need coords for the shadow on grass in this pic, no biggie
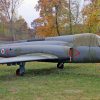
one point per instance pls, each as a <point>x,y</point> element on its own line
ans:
<point>72,71</point>
<point>49,71</point>
<point>68,70</point>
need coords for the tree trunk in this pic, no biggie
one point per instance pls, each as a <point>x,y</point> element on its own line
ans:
<point>57,25</point>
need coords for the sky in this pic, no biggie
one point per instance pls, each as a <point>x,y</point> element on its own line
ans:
<point>27,11</point>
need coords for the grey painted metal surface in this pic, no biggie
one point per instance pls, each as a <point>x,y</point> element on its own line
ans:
<point>83,48</point>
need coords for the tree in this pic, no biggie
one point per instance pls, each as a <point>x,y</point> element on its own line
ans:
<point>92,16</point>
<point>53,17</point>
<point>70,17</point>
<point>76,16</point>
<point>8,11</point>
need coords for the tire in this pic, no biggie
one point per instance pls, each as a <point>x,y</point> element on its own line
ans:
<point>60,65</point>
<point>18,73</point>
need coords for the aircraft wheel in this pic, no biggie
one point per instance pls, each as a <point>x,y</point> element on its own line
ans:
<point>18,72</point>
<point>60,65</point>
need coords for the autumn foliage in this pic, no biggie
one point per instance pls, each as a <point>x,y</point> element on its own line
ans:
<point>59,17</point>
<point>92,14</point>
<point>52,19</point>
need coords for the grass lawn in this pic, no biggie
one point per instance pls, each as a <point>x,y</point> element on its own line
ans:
<point>43,81</point>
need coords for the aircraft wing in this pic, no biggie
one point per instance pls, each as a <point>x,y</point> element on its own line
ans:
<point>26,58</point>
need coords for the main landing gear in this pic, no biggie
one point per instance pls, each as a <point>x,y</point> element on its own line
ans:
<point>21,70</point>
<point>60,65</point>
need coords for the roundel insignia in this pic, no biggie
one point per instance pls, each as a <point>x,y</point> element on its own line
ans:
<point>2,51</point>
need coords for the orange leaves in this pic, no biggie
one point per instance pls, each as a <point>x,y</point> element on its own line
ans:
<point>45,27</point>
<point>53,16</point>
<point>92,12</point>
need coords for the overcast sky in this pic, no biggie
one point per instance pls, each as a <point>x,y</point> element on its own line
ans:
<point>27,11</point>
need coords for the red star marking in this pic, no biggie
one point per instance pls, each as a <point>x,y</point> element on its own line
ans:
<point>76,52</point>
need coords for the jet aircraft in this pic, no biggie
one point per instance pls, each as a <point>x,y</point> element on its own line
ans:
<point>79,48</point>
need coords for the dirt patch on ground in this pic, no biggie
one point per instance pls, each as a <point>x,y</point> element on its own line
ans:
<point>73,91</point>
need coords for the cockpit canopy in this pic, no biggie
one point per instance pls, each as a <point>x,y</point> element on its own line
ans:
<point>88,39</point>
